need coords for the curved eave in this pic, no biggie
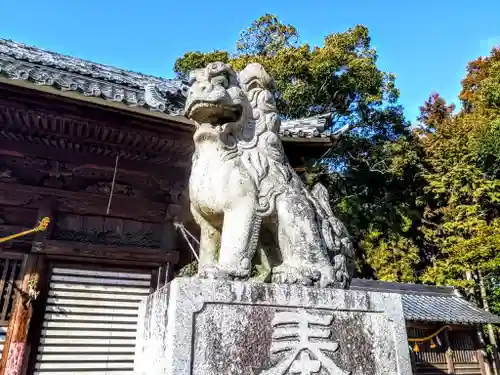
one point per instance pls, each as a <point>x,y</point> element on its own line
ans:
<point>453,321</point>
<point>95,100</point>
<point>431,304</point>
<point>444,309</point>
<point>312,141</point>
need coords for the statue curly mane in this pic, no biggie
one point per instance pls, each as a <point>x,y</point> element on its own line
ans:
<point>265,159</point>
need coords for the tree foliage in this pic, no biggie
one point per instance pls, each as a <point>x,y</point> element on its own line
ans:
<point>462,212</point>
<point>372,172</point>
<point>422,204</point>
<point>266,37</point>
<point>479,80</point>
<point>341,76</point>
<point>435,111</point>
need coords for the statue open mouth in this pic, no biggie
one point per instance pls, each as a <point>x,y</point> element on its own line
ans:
<point>214,114</point>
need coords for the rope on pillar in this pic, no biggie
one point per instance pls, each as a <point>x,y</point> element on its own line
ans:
<point>113,184</point>
<point>185,233</point>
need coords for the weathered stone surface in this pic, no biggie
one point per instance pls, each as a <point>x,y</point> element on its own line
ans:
<point>251,206</point>
<point>216,327</point>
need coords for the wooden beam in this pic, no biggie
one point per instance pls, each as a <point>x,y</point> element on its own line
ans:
<point>124,254</point>
<point>449,353</point>
<point>309,142</point>
<point>435,326</point>
<point>29,95</point>
<point>481,361</point>
<point>17,243</point>
<point>479,344</point>
<point>16,347</point>
<point>89,132</point>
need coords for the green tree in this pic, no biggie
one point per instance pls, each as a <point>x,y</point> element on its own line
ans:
<point>372,172</point>
<point>197,60</point>
<point>435,111</point>
<point>266,37</point>
<point>480,74</point>
<point>341,76</point>
<point>462,215</point>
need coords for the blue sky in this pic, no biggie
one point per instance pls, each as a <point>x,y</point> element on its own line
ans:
<point>427,44</point>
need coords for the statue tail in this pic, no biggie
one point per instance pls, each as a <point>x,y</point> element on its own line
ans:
<point>335,235</point>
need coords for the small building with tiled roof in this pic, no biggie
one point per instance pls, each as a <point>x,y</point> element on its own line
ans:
<point>443,327</point>
<point>427,303</point>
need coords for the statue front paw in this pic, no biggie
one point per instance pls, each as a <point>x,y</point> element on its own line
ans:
<point>223,272</point>
<point>239,271</point>
<point>327,277</point>
<point>235,273</point>
<point>209,271</point>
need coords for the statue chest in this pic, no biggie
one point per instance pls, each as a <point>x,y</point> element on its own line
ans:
<point>207,183</point>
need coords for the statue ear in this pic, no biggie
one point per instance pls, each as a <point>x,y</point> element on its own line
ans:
<point>194,75</point>
<point>255,72</point>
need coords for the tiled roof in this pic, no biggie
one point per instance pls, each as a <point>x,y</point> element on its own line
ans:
<point>315,126</point>
<point>19,61</point>
<point>431,303</point>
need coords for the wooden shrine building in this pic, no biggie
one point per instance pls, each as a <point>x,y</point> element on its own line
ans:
<point>105,154</point>
<point>68,129</point>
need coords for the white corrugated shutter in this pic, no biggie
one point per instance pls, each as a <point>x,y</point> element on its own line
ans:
<point>90,322</point>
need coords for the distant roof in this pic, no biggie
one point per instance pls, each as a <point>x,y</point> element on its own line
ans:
<point>19,61</point>
<point>431,303</point>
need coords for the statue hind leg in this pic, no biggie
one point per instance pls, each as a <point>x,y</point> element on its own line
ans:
<point>303,258</point>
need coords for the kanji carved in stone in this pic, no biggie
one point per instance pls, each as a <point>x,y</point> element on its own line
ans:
<point>301,335</point>
<point>252,208</point>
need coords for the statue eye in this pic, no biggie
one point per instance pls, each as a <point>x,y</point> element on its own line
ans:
<point>254,85</point>
<point>221,81</point>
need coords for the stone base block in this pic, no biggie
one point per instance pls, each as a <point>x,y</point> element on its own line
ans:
<point>215,327</point>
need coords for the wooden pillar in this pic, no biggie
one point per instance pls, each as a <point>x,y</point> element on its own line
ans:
<point>479,342</point>
<point>449,353</point>
<point>481,361</point>
<point>491,331</point>
<point>17,349</point>
<point>169,267</point>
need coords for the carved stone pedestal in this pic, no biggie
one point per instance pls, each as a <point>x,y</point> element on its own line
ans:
<point>207,327</point>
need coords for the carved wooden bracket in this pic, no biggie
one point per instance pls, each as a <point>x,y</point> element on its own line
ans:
<point>82,202</point>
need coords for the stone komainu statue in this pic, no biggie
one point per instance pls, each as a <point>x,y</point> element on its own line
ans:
<point>251,206</point>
